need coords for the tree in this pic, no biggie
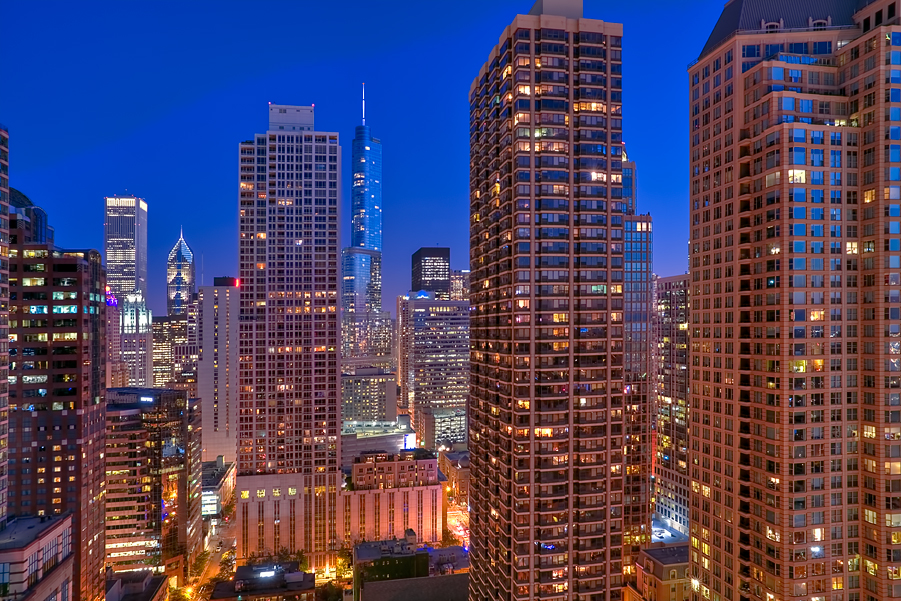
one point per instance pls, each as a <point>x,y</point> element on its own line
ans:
<point>344,564</point>
<point>177,594</point>
<point>329,592</point>
<point>228,510</point>
<point>449,539</point>
<point>200,563</point>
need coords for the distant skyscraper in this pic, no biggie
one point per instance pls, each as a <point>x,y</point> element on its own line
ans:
<point>125,234</point>
<point>433,356</point>
<point>366,193</point>
<point>289,428</point>
<point>673,481</point>
<point>561,390</point>
<point>431,272</point>
<point>136,326</point>
<point>154,474</point>
<point>168,332</point>
<point>366,340</point>
<point>116,367</point>
<point>459,285</point>
<point>180,277</point>
<point>217,378</point>
<point>57,383</point>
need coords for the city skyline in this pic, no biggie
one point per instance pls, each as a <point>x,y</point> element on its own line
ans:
<point>130,153</point>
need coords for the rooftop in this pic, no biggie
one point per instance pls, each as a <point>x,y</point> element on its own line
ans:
<point>373,550</point>
<point>668,555</point>
<point>453,587</point>
<point>753,15</point>
<point>265,580</point>
<point>214,473</point>
<point>21,532</point>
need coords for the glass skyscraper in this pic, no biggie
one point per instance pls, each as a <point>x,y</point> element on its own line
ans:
<point>180,280</point>
<point>366,329</point>
<point>366,193</point>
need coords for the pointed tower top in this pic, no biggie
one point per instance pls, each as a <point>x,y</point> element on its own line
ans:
<point>364,103</point>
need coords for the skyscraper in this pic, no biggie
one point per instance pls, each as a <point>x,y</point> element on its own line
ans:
<point>431,272</point>
<point>136,327</point>
<point>795,221</point>
<point>289,394</point>
<point>154,473</point>
<point>366,330</point>
<point>217,372</point>
<point>560,393</point>
<point>459,285</point>
<point>57,376</point>
<point>168,332</point>
<point>125,236</point>
<point>180,277</point>
<point>433,357</point>
<point>672,482</point>
<point>4,322</point>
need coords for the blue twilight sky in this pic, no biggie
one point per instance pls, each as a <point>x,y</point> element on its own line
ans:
<point>152,98</point>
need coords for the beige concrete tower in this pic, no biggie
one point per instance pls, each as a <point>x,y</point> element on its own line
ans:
<point>289,404</point>
<point>561,337</point>
<point>795,140</point>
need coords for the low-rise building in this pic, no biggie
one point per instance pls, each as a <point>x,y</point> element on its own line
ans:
<point>269,582</point>
<point>218,486</point>
<point>141,585</point>
<point>36,559</point>
<point>375,563</point>
<point>387,494</point>
<point>358,437</point>
<point>455,466</point>
<point>662,575</point>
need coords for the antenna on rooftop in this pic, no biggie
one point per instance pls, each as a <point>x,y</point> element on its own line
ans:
<point>364,103</point>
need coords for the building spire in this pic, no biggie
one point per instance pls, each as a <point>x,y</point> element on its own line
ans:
<point>181,232</point>
<point>364,103</point>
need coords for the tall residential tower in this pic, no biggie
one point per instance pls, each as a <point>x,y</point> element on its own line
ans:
<point>560,393</point>
<point>795,221</point>
<point>289,392</point>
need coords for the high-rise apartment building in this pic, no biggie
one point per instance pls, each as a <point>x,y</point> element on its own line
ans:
<point>136,336</point>
<point>672,479</point>
<point>289,391</point>
<point>217,372</point>
<point>560,394</point>
<point>180,280</point>
<point>431,272</point>
<point>459,285</point>
<point>4,321</point>
<point>57,376</point>
<point>154,481</point>
<point>795,217</point>
<point>125,236</point>
<point>433,356</point>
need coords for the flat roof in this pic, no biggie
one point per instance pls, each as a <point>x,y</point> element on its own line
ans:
<point>23,531</point>
<point>668,555</point>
